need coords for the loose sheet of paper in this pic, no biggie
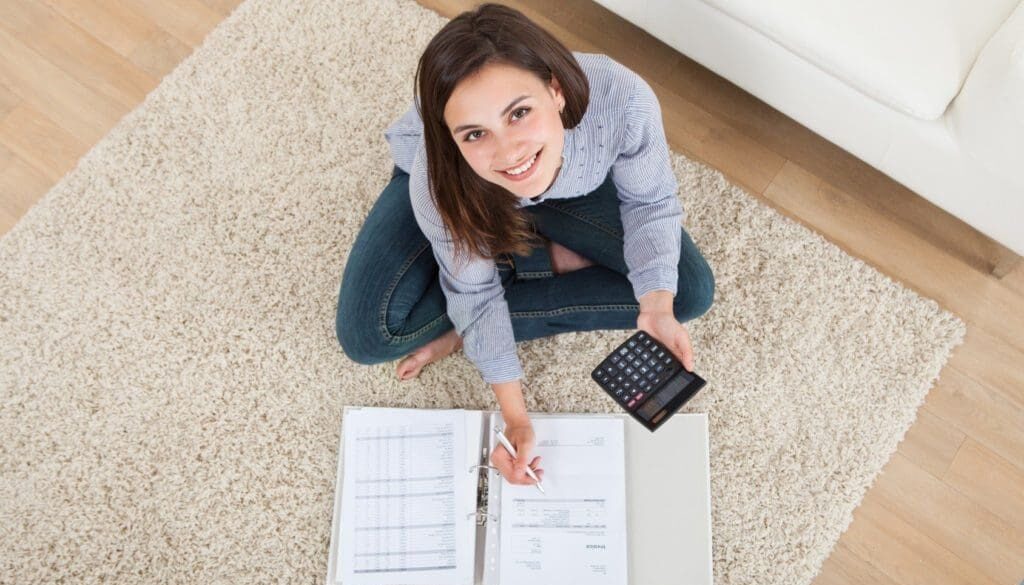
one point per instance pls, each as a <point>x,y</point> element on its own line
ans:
<point>576,531</point>
<point>404,499</point>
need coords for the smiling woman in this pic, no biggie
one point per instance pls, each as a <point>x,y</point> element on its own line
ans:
<point>513,139</point>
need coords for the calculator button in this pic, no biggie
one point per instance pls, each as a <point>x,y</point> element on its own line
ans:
<point>637,363</point>
<point>660,354</point>
<point>645,356</point>
<point>644,369</point>
<point>635,377</point>
<point>640,396</point>
<point>632,343</point>
<point>659,368</point>
<point>629,370</point>
<point>620,378</point>
<point>616,359</point>
<point>623,351</point>
<point>631,403</point>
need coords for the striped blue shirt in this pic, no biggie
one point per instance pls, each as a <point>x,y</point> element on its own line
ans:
<point>622,133</point>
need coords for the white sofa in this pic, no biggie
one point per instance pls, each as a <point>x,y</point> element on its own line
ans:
<point>930,92</point>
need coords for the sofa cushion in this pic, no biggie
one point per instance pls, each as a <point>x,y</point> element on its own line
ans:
<point>988,114</point>
<point>912,55</point>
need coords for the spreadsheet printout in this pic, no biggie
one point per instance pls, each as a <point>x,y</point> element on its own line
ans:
<point>576,531</point>
<point>404,499</point>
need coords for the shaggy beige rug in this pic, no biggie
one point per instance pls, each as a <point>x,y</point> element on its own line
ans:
<point>170,382</point>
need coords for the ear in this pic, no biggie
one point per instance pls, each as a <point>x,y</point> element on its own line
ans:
<point>556,89</point>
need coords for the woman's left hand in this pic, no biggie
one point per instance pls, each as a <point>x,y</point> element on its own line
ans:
<point>660,324</point>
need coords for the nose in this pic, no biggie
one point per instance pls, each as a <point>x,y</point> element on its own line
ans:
<point>515,156</point>
<point>512,162</point>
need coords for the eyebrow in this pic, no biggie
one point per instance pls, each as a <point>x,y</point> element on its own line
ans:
<point>503,112</point>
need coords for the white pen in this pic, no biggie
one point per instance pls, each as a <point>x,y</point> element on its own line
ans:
<point>512,451</point>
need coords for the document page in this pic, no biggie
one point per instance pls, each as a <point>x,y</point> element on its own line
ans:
<point>576,531</point>
<point>405,499</point>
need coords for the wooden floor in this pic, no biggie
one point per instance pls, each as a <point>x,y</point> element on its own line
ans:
<point>949,506</point>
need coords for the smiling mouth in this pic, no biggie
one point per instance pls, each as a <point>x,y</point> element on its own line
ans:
<point>534,157</point>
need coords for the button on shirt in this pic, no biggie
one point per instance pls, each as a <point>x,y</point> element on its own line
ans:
<point>621,133</point>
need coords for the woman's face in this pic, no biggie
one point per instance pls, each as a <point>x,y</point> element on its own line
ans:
<point>500,119</point>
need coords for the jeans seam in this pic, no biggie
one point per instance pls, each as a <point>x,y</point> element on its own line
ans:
<point>382,313</point>
<point>574,309</point>
<point>536,274</point>
<point>585,219</point>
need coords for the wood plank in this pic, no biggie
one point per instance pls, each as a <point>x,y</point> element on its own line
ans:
<point>21,185</point>
<point>1015,279</point>
<point>931,442</point>
<point>222,7</point>
<point>187,20</point>
<point>988,360</point>
<point>113,24</point>
<point>981,412</point>
<point>44,87</point>
<point>159,54</point>
<point>989,480</point>
<point>902,551</point>
<point>873,237</point>
<point>8,100</point>
<point>40,142</point>
<point>965,528</point>
<point>92,63</point>
<point>844,567</point>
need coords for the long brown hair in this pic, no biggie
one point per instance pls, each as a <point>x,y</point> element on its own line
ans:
<point>484,218</point>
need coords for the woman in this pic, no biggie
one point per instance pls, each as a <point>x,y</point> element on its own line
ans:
<point>532,194</point>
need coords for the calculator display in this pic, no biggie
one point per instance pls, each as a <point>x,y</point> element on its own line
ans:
<point>665,395</point>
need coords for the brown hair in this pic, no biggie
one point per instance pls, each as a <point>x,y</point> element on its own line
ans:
<point>484,218</point>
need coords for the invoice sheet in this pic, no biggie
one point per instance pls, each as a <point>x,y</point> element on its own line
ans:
<point>405,499</point>
<point>576,531</point>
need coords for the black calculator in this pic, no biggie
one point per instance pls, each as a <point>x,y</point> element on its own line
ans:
<point>645,378</point>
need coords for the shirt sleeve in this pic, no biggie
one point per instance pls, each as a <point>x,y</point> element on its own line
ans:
<point>473,290</point>
<point>651,212</point>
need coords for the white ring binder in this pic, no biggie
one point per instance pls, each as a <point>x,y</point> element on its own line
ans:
<point>482,517</point>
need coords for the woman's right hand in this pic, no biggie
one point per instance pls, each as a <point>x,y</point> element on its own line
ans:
<point>520,434</point>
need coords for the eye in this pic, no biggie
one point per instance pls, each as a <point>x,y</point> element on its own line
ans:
<point>514,112</point>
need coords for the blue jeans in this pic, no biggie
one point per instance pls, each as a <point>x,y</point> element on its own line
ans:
<point>391,302</point>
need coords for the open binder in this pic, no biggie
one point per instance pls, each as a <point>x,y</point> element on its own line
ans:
<point>663,502</point>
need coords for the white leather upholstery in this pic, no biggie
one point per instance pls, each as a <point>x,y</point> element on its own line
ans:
<point>988,115</point>
<point>967,161</point>
<point>911,55</point>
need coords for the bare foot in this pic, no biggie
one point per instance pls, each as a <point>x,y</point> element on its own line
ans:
<point>443,346</point>
<point>565,260</point>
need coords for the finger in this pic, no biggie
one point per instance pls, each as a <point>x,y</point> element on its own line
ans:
<point>501,459</point>
<point>686,351</point>
<point>535,462</point>
<point>523,458</point>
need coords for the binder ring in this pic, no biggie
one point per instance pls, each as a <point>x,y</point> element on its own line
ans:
<point>475,467</point>
<point>482,517</point>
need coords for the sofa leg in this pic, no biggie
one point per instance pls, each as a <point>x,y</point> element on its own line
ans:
<point>1005,264</point>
